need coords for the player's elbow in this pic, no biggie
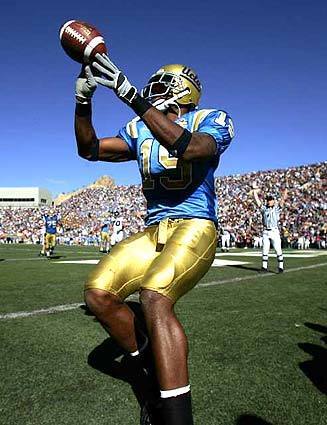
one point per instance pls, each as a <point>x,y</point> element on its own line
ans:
<point>86,155</point>
<point>201,146</point>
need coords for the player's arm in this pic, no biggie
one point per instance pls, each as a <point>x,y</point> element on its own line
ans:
<point>283,198</point>
<point>89,146</point>
<point>180,142</point>
<point>174,138</point>
<point>256,197</point>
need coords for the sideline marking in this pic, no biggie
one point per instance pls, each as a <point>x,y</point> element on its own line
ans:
<point>296,254</point>
<point>258,276</point>
<point>216,262</point>
<point>67,307</point>
<point>222,263</point>
<point>50,310</point>
<point>45,259</point>
<point>77,262</point>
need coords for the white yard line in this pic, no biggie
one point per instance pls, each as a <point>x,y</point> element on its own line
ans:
<point>67,307</point>
<point>258,276</point>
<point>296,254</point>
<point>52,260</point>
<point>50,310</point>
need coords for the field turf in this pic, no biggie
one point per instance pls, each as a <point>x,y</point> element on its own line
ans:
<point>258,343</point>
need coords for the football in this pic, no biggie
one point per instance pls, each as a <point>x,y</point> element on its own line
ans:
<point>81,41</point>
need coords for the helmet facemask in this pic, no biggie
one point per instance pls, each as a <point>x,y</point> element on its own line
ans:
<point>165,86</point>
<point>173,86</point>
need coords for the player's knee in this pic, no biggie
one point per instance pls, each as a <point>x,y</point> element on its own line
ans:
<point>155,306</point>
<point>101,302</point>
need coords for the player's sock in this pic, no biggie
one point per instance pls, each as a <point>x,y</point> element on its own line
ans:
<point>280,260</point>
<point>176,406</point>
<point>265,262</point>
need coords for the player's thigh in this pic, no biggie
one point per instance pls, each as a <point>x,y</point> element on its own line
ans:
<point>277,243</point>
<point>48,239</point>
<point>119,236</point>
<point>121,271</point>
<point>53,240</point>
<point>265,243</point>
<point>185,259</point>
<point>104,237</point>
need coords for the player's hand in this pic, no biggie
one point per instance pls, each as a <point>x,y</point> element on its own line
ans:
<point>114,78</point>
<point>163,104</point>
<point>85,86</point>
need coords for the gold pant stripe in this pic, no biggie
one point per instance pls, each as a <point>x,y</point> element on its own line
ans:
<point>143,261</point>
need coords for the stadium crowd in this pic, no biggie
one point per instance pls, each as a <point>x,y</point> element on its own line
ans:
<point>303,221</point>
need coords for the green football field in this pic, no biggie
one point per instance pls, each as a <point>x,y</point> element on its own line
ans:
<point>258,343</point>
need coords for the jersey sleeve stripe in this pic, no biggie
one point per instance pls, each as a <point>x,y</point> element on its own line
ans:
<point>131,129</point>
<point>199,116</point>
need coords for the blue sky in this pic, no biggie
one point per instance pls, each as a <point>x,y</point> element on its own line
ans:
<point>264,61</point>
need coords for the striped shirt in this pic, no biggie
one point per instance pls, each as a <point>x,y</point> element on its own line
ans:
<point>270,216</point>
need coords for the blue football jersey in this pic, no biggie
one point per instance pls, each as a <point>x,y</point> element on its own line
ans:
<point>172,187</point>
<point>105,227</point>
<point>50,223</point>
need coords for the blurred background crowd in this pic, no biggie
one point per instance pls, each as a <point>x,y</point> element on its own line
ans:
<point>303,222</point>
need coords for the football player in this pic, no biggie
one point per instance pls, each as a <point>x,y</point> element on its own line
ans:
<point>117,229</point>
<point>104,238</point>
<point>177,147</point>
<point>51,221</point>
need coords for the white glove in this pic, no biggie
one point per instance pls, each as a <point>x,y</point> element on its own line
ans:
<point>163,104</point>
<point>85,86</point>
<point>115,79</point>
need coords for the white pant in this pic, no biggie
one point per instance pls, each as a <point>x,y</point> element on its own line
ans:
<point>225,241</point>
<point>257,242</point>
<point>116,237</point>
<point>273,237</point>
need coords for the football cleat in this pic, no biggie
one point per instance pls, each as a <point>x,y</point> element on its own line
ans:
<point>280,270</point>
<point>145,416</point>
<point>150,415</point>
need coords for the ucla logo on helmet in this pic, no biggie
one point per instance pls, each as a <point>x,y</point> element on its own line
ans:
<point>192,75</point>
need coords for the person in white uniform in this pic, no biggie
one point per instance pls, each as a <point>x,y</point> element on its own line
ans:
<point>225,239</point>
<point>270,212</point>
<point>117,229</point>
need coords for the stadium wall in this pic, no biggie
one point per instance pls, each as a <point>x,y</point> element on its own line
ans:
<point>25,197</point>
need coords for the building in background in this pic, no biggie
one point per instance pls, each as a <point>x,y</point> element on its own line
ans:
<point>24,197</point>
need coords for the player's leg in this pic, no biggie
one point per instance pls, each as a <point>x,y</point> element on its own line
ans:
<point>185,258</point>
<point>47,244</point>
<point>107,244</point>
<point>223,243</point>
<point>52,243</point>
<point>101,242</point>
<point>42,243</point>
<point>277,245</point>
<point>115,277</point>
<point>228,243</point>
<point>265,250</point>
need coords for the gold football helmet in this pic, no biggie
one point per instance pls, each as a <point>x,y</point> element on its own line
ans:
<point>176,81</point>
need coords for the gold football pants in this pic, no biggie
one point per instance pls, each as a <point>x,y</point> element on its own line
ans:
<point>104,237</point>
<point>169,258</point>
<point>50,241</point>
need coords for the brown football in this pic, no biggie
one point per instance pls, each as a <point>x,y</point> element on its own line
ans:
<point>81,41</point>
